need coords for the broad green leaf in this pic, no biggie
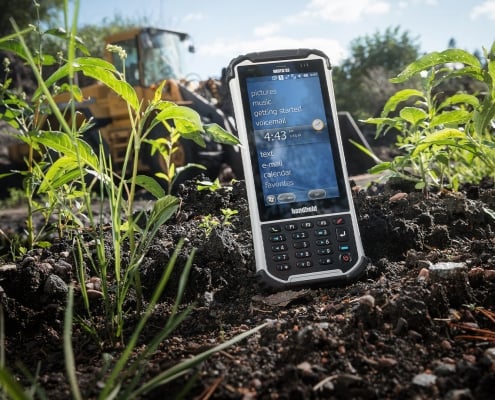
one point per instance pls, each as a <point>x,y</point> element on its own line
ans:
<point>449,73</point>
<point>448,133</point>
<point>383,125</point>
<point>102,71</point>
<point>420,185</point>
<point>110,79</point>
<point>484,115</point>
<point>208,185</point>
<point>399,97</point>
<point>63,170</point>
<point>379,168</point>
<point>74,90</point>
<point>13,47</point>
<point>433,59</point>
<point>62,34</point>
<point>413,115</point>
<point>442,159</point>
<point>162,210</point>
<point>444,137</point>
<point>77,65</point>
<point>220,135</point>
<point>460,98</point>
<point>150,185</point>
<point>186,119</point>
<point>65,145</point>
<point>450,117</point>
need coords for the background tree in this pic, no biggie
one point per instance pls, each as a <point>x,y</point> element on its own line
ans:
<point>26,12</point>
<point>362,81</point>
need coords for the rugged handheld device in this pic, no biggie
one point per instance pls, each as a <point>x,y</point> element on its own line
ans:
<point>303,220</point>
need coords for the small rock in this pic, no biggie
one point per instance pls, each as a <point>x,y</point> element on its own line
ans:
<point>64,254</point>
<point>256,383</point>
<point>55,286</point>
<point>459,394</point>
<point>424,380</point>
<point>490,275</point>
<point>476,276</point>
<point>446,270</point>
<point>387,362</point>
<point>423,275</point>
<point>401,196</point>
<point>367,300</point>
<point>305,367</point>
<point>444,369</point>
<point>490,354</point>
<point>28,261</point>
<point>63,269</point>
<point>446,345</point>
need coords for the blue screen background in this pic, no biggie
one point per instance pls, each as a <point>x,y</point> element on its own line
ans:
<point>294,157</point>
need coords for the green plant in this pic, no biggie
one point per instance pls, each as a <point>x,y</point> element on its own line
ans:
<point>444,139</point>
<point>227,215</point>
<point>209,222</point>
<point>59,178</point>
<point>62,177</point>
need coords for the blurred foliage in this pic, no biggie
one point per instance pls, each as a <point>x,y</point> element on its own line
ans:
<point>362,80</point>
<point>93,35</point>
<point>26,12</point>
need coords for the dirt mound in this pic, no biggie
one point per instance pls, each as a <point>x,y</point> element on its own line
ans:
<point>419,324</point>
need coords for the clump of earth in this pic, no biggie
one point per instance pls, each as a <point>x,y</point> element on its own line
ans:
<point>418,324</point>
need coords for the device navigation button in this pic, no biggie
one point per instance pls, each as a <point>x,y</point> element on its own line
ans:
<point>315,194</point>
<point>286,197</point>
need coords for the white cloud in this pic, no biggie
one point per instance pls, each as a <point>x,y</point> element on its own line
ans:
<point>345,10</point>
<point>407,3</point>
<point>229,49</point>
<point>485,9</point>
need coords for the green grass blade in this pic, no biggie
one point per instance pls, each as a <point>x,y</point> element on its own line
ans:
<point>70,364</point>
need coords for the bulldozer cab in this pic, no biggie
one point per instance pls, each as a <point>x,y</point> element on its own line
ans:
<point>153,55</point>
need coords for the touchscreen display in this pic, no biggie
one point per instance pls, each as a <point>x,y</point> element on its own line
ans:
<point>292,140</point>
<point>293,145</point>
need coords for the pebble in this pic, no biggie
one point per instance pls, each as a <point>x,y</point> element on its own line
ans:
<point>63,269</point>
<point>459,394</point>
<point>423,275</point>
<point>55,286</point>
<point>401,196</point>
<point>490,354</point>
<point>444,369</point>
<point>387,362</point>
<point>446,345</point>
<point>447,270</point>
<point>476,276</point>
<point>424,380</point>
<point>367,300</point>
<point>490,275</point>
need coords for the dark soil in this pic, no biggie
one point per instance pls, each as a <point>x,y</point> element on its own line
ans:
<point>419,324</point>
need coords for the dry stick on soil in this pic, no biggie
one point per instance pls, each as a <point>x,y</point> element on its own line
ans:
<point>478,333</point>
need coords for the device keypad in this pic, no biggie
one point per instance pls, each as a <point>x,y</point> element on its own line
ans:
<point>310,245</point>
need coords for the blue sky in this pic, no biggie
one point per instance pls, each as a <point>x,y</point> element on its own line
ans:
<point>223,29</point>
